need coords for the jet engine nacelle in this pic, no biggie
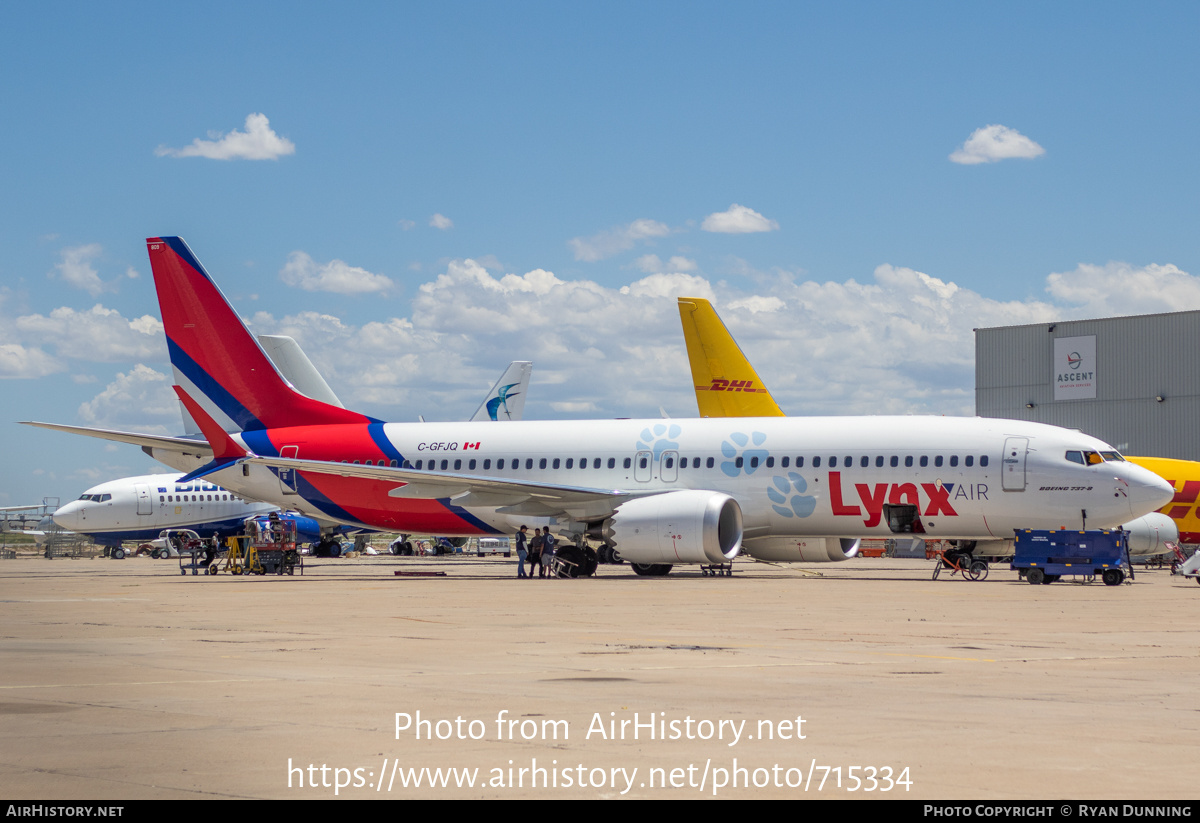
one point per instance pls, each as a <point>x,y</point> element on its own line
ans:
<point>1149,534</point>
<point>677,527</point>
<point>803,549</point>
<point>992,548</point>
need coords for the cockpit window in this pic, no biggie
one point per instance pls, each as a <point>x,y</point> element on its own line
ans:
<point>1075,457</point>
<point>1112,457</point>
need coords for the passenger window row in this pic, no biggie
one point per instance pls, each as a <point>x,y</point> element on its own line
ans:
<point>833,461</point>
<point>183,498</point>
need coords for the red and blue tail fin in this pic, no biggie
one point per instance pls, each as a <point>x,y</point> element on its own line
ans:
<point>216,359</point>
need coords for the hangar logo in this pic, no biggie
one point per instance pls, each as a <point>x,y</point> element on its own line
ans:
<point>1074,373</point>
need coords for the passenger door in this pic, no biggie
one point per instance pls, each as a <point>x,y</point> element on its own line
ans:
<point>1013,479</point>
<point>287,477</point>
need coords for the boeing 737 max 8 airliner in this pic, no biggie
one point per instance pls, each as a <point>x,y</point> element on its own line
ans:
<point>663,492</point>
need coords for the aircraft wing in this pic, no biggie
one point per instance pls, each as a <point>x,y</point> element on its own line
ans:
<point>156,441</point>
<point>503,493</point>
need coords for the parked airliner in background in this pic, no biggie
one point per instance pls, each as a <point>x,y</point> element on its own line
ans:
<point>30,520</point>
<point>728,386</point>
<point>663,492</point>
<point>138,508</point>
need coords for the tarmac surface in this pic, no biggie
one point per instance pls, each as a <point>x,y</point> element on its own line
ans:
<point>126,680</point>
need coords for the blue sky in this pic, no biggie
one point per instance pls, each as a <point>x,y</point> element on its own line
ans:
<point>469,183</point>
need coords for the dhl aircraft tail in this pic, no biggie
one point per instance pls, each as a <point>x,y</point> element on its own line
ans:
<point>726,384</point>
<point>216,360</point>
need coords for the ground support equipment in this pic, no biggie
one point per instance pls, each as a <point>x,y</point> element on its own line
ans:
<point>1189,568</point>
<point>955,563</point>
<point>1044,556</point>
<point>273,545</point>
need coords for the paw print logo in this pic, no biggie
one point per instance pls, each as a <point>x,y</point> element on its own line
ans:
<point>787,497</point>
<point>660,438</point>
<point>740,441</point>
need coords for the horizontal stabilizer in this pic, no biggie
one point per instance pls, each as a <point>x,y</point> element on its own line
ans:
<point>222,444</point>
<point>207,469</point>
<point>225,451</point>
<point>185,445</point>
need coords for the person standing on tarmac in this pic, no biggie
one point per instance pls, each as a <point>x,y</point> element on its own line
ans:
<point>535,554</point>
<point>522,550</point>
<point>547,551</point>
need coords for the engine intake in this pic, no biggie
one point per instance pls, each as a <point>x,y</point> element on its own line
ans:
<point>677,527</point>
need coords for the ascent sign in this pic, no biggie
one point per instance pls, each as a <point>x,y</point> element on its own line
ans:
<point>1075,368</point>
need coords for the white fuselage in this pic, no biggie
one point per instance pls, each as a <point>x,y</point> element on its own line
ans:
<point>968,478</point>
<point>138,508</point>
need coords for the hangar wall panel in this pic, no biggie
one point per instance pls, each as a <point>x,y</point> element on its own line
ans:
<point>1136,360</point>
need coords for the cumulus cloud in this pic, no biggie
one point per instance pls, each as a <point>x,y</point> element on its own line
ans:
<point>616,240</point>
<point>17,361</point>
<point>335,276</point>
<point>141,399</point>
<point>387,363</point>
<point>895,341</point>
<point>441,221</point>
<point>994,143</point>
<point>756,303</point>
<point>257,142</point>
<point>670,285</point>
<point>76,268</point>
<point>1120,288</point>
<point>738,220</point>
<point>97,335</point>
<point>895,344</point>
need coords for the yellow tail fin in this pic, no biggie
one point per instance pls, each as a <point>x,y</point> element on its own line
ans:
<point>726,384</point>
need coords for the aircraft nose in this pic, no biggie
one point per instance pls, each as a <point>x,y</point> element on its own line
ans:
<point>70,516</point>
<point>1147,491</point>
